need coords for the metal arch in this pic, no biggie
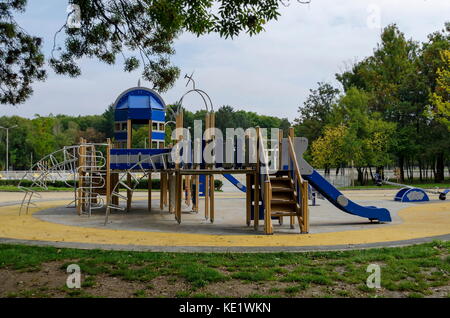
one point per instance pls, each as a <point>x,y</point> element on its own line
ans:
<point>145,173</point>
<point>202,94</point>
<point>180,102</point>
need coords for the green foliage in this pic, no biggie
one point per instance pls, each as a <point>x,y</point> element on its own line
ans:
<point>316,112</point>
<point>356,136</point>
<point>148,30</point>
<point>440,98</point>
<point>385,108</point>
<point>21,59</point>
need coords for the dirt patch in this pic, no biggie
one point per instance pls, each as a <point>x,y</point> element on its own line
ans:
<point>46,282</point>
<point>50,281</point>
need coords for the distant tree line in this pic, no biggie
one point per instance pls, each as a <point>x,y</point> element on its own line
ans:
<point>37,137</point>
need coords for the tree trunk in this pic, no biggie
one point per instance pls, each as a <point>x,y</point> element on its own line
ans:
<point>401,163</point>
<point>440,166</point>
<point>420,171</point>
<point>360,176</point>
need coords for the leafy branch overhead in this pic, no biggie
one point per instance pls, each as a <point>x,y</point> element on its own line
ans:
<point>139,32</point>
<point>149,27</point>
<point>21,59</point>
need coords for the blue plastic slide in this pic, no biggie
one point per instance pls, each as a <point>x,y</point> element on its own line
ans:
<point>341,202</point>
<point>235,182</point>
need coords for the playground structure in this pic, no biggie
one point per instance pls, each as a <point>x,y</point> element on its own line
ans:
<point>413,194</point>
<point>106,175</point>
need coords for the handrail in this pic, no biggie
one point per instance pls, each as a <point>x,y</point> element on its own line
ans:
<point>294,160</point>
<point>262,150</point>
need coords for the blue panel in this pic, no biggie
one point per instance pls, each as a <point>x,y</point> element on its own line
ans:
<point>120,115</point>
<point>144,151</point>
<point>120,136</point>
<point>158,115</point>
<point>123,159</point>
<point>140,113</point>
<point>412,195</point>
<point>138,101</point>
<point>158,135</point>
<point>155,103</point>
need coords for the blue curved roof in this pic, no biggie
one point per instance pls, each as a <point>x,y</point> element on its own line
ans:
<point>139,98</point>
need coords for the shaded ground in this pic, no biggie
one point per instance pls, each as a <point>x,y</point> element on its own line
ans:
<point>414,271</point>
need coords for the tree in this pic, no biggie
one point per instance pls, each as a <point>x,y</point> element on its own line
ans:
<point>356,136</point>
<point>21,59</point>
<point>314,115</point>
<point>328,150</point>
<point>440,98</point>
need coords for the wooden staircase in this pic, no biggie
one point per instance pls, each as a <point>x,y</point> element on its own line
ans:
<point>283,197</point>
<point>282,200</point>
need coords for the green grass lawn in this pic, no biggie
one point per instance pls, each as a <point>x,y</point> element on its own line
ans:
<point>414,271</point>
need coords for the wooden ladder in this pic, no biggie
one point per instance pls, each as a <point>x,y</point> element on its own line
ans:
<point>283,197</point>
<point>284,202</point>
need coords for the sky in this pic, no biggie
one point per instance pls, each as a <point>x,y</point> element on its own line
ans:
<point>270,73</point>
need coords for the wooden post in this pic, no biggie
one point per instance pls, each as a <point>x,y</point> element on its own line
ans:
<point>248,196</point>
<point>305,208</point>
<point>206,185</point>
<point>197,195</point>
<point>206,197</point>
<point>211,197</point>
<point>149,193</point>
<point>166,189</point>
<point>161,190</point>
<point>280,159</point>
<point>256,183</point>
<point>268,229</point>
<point>108,173</point>
<point>292,135</point>
<point>188,188</point>
<point>178,195</point>
<point>212,124</point>
<point>129,145</point>
<point>171,189</point>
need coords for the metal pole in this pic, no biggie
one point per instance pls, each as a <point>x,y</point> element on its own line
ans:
<point>7,146</point>
<point>7,152</point>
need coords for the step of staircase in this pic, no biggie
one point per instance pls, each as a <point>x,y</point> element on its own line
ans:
<point>283,196</point>
<point>283,183</point>
<point>284,207</point>
<point>281,173</point>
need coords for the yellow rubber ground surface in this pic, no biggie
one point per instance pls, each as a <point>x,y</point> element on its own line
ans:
<point>419,222</point>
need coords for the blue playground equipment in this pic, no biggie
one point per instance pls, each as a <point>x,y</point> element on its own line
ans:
<point>141,106</point>
<point>329,192</point>
<point>235,182</point>
<point>412,194</point>
<point>229,177</point>
<point>344,204</point>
